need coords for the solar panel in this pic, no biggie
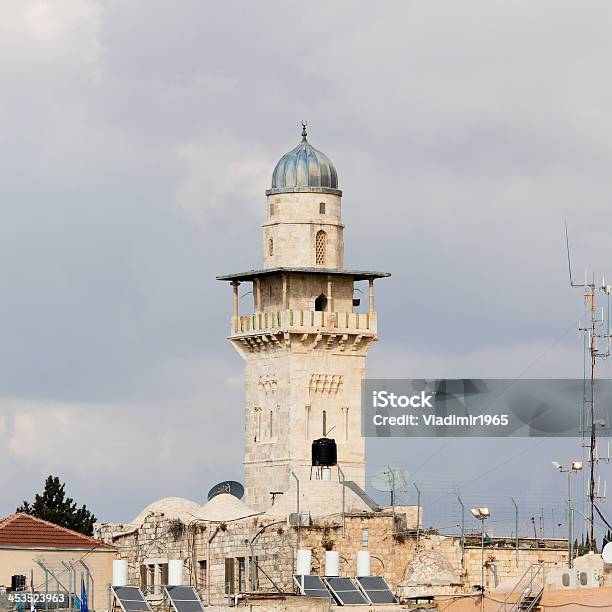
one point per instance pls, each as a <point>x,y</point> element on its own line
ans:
<point>312,586</point>
<point>131,599</point>
<point>346,592</point>
<point>376,589</point>
<point>184,598</point>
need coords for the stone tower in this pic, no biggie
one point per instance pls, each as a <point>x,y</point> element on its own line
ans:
<point>304,342</point>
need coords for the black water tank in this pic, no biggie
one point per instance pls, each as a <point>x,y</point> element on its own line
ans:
<point>18,582</point>
<point>324,452</point>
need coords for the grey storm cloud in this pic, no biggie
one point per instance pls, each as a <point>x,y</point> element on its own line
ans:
<point>138,140</point>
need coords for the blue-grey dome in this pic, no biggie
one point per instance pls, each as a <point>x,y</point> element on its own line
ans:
<point>304,169</point>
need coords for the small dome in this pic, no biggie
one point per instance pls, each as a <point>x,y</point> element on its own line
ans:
<point>170,507</point>
<point>304,169</point>
<point>224,508</point>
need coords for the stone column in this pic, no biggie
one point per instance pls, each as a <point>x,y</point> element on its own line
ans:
<point>329,294</point>
<point>235,285</point>
<point>371,283</point>
<point>257,294</point>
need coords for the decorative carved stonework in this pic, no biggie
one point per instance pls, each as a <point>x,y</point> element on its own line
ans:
<point>267,383</point>
<point>326,383</point>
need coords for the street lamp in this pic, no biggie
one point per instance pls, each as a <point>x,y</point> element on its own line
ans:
<point>574,469</point>
<point>482,514</point>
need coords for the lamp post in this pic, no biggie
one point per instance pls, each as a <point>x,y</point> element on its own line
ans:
<point>574,469</point>
<point>482,514</point>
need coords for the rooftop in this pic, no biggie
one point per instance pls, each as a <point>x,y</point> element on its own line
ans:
<point>251,274</point>
<point>26,531</point>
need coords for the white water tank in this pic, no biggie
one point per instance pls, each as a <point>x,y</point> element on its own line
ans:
<point>304,562</point>
<point>325,473</point>
<point>332,563</point>
<point>175,572</point>
<point>363,563</point>
<point>120,572</point>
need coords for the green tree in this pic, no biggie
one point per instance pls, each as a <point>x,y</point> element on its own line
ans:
<point>55,507</point>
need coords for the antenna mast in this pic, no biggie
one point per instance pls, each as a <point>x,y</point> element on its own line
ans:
<point>595,328</point>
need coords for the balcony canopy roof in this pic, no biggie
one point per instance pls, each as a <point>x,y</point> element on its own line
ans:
<point>253,274</point>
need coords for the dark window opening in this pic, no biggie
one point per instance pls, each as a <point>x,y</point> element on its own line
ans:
<point>229,576</point>
<point>322,208</point>
<point>321,303</point>
<point>241,575</point>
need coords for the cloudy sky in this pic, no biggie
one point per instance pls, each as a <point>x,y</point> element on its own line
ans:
<point>138,140</point>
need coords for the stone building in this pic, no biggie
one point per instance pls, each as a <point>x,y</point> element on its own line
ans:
<point>304,344</point>
<point>54,559</point>
<point>306,339</point>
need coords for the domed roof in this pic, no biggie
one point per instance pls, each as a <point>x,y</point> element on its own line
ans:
<point>304,169</point>
<point>170,507</point>
<point>224,508</point>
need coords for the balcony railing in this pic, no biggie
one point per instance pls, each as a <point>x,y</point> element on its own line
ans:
<point>306,321</point>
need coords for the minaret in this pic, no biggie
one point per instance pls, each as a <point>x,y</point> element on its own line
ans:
<point>304,343</point>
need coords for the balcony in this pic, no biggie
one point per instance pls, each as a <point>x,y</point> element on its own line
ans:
<point>306,322</point>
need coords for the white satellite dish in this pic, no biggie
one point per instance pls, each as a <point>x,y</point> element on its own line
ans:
<point>606,553</point>
<point>390,480</point>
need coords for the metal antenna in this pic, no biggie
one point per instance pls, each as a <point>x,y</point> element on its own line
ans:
<point>593,329</point>
<point>569,263</point>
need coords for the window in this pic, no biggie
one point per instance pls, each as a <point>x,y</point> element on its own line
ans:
<point>229,575</point>
<point>254,561</point>
<point>320,244</point>
<point>565,579</point>
<point>584,579</point>
<point>241,575</point>
<point>163,572</point>
<point>321,208</point>
<point>151,578</point>
<point>202,574</point>
<point>271,424</point>
<point>257,424</point>
<point>346,423</point>
<point>271,247</point>
<point>271,208</point>
<point>321,303</point>
<point>324,423</point>
<point>365,538</point>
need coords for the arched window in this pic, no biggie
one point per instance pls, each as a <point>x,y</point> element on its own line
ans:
<point>320,244</point>
<point>320,303</point>
<point>271,247</point>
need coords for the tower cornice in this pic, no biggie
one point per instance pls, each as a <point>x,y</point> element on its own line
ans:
<point>253,274</point>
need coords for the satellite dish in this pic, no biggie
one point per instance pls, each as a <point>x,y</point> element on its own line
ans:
<point>227,486</point>
<point>606,553</point>
<point>390,480</point>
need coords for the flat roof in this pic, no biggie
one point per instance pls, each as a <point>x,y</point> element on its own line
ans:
<point>252,274</point>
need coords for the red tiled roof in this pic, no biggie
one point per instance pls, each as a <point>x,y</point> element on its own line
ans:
<point>28,531</point>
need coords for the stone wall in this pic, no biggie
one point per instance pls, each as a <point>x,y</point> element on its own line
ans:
<point>292,222</point>
<point>272,543</point>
